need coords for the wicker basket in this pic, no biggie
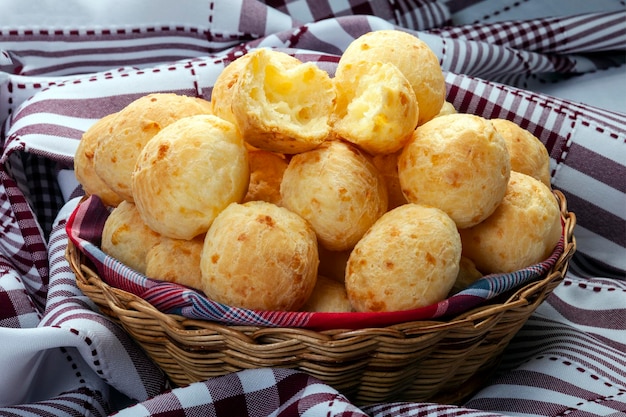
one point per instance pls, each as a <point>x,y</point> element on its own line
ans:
<point>442,361</point>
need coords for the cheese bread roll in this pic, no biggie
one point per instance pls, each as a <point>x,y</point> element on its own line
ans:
<point>259,256</point>
<point>189,172</point>
<point>387,165</point>
<point>376,108</point>
<point>83,163</point>
<point>524,229</point>
<point>337,189</point>
<point>412,56</point>
<point>223,88</point>
<point>282,107</point>
<point>528,154</point>
<point>266,174</point>
<point>131,128</point>
<point>127,238</point>
<point>447,108</point>
<point>328,296</point>
<point>177,261</point>
<point>408,259</point>
<point>458,163</point>
<point>333,263</point>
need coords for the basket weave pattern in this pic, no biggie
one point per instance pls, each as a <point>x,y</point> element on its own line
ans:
<point>414,361</point>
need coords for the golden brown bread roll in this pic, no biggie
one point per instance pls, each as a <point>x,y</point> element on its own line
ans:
<point>132,127</point>
<point>177,261</point>
<point>333,263</point>
<point>468,274</point>
<point>266,174</point>
<point>83,163</point>
<point>528,154</point>
<point>412,56</point>
<point>282,107</point>
<point>458,163</point>
<point>447,108</point>
<point>523,230</point>
<point>337,189</point>
<point>328,296</point>
<point>259,256</point>
<point>189,172</point>
<point>408,259</point>
<point>387,165</point>
<point>127,238</point>
<point>375,108</point>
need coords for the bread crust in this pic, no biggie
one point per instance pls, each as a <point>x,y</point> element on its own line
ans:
<point>84,163</point>
<point>458,163</point>
<point>401,264</point>
<point>524,229</point>
<point>133,127</point>
<point>259,256</point>
<point>528,154</point>
<point>188,173</point>
<point>337,189</point>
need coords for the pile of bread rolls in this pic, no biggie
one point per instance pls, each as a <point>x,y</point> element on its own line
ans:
<point>292,189</point>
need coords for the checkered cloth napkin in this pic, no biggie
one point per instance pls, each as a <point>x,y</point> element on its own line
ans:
<point>59,74</point>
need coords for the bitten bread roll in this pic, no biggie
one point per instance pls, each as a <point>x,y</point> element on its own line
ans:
<point>376,108</point>
<point>189,172</point>
<point>132,127</point>
<point>259,256</point>
<point>127,238</point>
<point>528,154</point>
<point>177,261</point>
<point>412,56</point>
<point>524,229</point>
<point>83,163</point>
<point>222,92</point>
<point>337,189</point>
<point>408,259</point>
<point>282,108</point>
<point>328,296</point>
<point>458,163</point>
<point>266,174</point>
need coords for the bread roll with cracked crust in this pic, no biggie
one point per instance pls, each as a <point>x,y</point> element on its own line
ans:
<point>408,259</point>
<point>259,256</point>
<point>412,56</point>
<point>266,174</point>
<point>132,127</point>
<point>188,173</point>
<point>524,229</point>
<point>328,296</point>
<point>84,166</point>
<point>127,238</point>
<point>375,108</point>
<point>528,154</point>
<point>337,189</point>
<point>458,163</point>
<point>281,107</point>
<point>177,261</point>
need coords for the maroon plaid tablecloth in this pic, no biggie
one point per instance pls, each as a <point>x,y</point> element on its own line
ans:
<point>556,68</point>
